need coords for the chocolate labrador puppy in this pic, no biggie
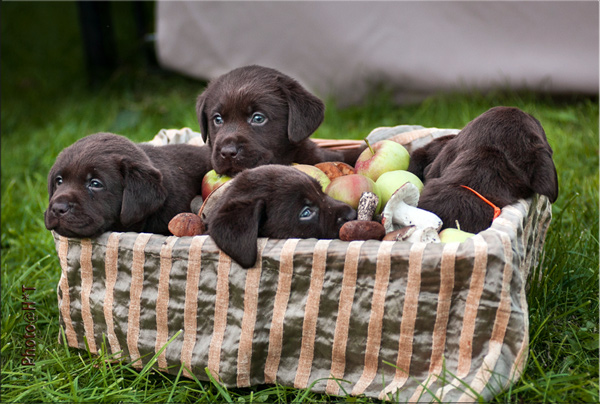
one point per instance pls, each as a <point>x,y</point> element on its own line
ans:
<point>105,182</point>
<point>255,115</point>
<point>502,155</point>
<point>273,201</point>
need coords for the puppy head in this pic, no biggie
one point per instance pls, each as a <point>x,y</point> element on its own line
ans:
<point>422,158</point>
<point>253,116</point>
<point>522,140</point>
<point>102,182</point>
<point>273,201</point>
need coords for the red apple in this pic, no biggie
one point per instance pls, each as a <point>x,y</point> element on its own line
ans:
<point>349,188</point>
<point>383,156</point>
<point>315,173</point>
<point>212,181</point>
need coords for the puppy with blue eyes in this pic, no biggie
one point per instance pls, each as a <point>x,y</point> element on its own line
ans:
<point>273,201</point>
<point>105,182</point>
<point>255,115</point>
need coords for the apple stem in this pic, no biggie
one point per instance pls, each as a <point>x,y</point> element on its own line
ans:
<point>457,225</point>
<point>369,145</point>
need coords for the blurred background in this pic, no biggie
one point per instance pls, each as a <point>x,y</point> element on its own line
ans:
<point>340,50</point>
<point>415,49</point>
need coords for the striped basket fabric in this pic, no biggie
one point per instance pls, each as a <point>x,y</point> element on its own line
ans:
<point>391,320</point>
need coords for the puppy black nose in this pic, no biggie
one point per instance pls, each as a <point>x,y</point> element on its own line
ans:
<point>348,215</point>
<point>60,208</point>
<point>229,152</point>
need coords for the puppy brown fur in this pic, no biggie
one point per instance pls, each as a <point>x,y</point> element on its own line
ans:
<point>273,201</point>
<point>255,115</point>
<point>421,158</point>
<point>105,182</point>
<point>503,154</point>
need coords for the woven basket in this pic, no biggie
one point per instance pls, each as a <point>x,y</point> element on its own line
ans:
<point>391,320</point>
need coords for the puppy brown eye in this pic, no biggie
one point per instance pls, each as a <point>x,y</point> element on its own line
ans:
<point>58,180</point>
<point>258,119</point>
<point>218,120</point>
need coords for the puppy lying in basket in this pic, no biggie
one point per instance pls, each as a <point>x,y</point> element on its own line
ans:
<point>498,158</point>
<point>271,201</point>
<point>105,182</point>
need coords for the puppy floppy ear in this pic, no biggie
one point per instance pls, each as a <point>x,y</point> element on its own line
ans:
<point>305,111</point>
<point>51,182</point>
<point>544,179</point>
<point>234,228</point>
<point>143,192</point>
<point>422,158</point>
<point>202,119</point>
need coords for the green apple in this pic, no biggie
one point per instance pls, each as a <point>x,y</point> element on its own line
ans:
<point>390,181</point>
<point>349,188</point>
<point>383,156</point>
<point>315,173</point>
<point>450,235</point>
<point>212,181</point>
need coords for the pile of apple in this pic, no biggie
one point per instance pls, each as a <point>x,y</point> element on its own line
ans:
<point>381,169</point>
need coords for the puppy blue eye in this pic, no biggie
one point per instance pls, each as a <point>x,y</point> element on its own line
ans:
<point>218,120</point>
<point>258,118</point>
<point>94,183</point>
<point>306,213</point>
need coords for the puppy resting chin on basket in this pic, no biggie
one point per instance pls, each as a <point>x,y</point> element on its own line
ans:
<point>273,201</point>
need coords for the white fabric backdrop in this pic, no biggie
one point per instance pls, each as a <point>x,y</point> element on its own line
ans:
<point>342,49</point>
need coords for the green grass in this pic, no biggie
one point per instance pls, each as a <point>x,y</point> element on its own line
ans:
<point>47,105</point>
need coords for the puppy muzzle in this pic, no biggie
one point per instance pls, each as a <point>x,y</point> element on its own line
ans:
<point>234,155</point>
<point>346,216</point>
<point>59,209</point>
<point>229,152</point>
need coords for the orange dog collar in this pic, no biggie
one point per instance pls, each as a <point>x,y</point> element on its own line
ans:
<point>497,210</point>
